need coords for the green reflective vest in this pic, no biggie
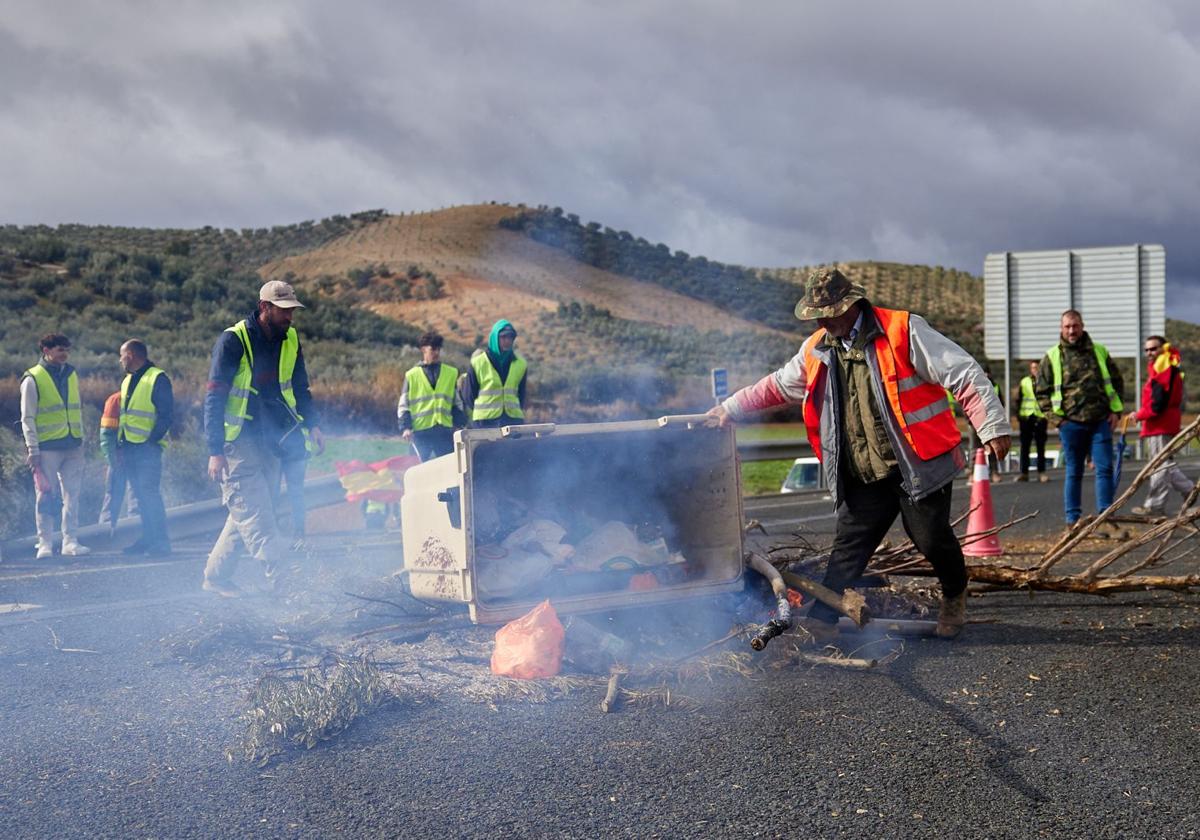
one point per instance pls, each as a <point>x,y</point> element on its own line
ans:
<point>1029,404</point>
<point>56,420</point>
<point>496,398</point>
<point>138,412</point>
<point>1055,355</point>
<point>431,405</point>
<point>238,402</point>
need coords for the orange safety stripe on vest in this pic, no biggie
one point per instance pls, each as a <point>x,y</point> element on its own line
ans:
<point>921,409</point>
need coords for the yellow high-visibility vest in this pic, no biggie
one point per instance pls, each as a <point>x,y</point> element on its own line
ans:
<point>55,419</point>
<point>238,402</point>
<point>496,398</point>
<point>431,405</point>
<point>138,412</point>
<point>1029,404</point>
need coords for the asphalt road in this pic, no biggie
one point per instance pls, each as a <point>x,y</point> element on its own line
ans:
<point>1053,715</point>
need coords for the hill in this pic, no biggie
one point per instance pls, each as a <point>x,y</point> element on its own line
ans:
<point>594,292</point>
<point>486,272</point>
<point>602,313</point>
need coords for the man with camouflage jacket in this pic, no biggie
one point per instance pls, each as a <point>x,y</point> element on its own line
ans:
<point>1079,390</point>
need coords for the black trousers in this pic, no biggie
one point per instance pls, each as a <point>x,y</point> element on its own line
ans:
<point>864,515</point>
<point>1033,430</point>
<point>430,443</point>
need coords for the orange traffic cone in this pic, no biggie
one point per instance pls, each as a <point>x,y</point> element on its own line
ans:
<point>982,519</point>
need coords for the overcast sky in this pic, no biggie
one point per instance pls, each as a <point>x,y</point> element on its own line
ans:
<point>757,132</point>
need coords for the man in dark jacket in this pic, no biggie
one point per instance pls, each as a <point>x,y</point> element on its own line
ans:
<point>493,391</point>
<point>147,407</point>
<point>1079,390</point>
<point>1160,416</point>
<point>1033,426</point>
<point>429,411</point>
<point>256,410</point>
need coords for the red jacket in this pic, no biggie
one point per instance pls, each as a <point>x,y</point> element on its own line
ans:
<point>1162,395</point>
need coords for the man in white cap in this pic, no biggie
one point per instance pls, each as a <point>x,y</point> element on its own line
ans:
<point>258,410</point>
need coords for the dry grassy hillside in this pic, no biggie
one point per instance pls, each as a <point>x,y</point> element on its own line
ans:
<point>489,273</point>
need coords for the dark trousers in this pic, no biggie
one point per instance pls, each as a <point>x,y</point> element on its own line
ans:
<point>497,422</point>
<point>864,515</point>
<point>115,485</point>
<point>430,443</point>
<point>1033,430</point>
<point>143,466</point>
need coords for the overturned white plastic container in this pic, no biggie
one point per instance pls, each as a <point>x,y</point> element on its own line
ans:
<point>677,474</point>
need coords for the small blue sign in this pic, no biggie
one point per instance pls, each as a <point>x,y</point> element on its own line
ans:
<point>720,384</point>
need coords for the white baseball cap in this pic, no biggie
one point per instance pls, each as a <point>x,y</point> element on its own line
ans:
<point>279,293</point>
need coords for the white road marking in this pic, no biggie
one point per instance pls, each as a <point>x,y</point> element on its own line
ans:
<point>87,570</point>
<point>18,607</point>
<point>195,596</point>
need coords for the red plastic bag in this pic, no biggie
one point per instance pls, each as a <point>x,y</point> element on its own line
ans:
<point>642,582</point>
<point>530,647</point>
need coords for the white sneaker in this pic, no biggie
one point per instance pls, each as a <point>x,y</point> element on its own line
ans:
<point>74,549</point>
<point>45,551</point>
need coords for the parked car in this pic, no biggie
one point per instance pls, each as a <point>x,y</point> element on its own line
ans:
<point>805,474</point>
<point>1013,461</point>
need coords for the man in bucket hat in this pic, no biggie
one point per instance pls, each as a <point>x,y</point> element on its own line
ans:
<point>873,384</point>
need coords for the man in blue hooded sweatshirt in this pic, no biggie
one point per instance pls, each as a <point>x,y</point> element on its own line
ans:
<point>494,389</point>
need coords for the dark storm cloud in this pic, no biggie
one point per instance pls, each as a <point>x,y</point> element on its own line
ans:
<point>762,133</point>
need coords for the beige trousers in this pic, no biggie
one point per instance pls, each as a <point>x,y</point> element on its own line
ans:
<point>247,493</point>
<point>1166,478</point>
<point>67,466</point>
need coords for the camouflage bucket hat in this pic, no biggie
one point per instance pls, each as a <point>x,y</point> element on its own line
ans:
<point>827,294</point>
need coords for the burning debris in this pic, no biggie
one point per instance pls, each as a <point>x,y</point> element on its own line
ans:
<point>586,536</point>
<point>591,516</point>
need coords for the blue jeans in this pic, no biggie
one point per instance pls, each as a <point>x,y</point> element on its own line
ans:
<point>1076,440</point>
<point>143,466</point>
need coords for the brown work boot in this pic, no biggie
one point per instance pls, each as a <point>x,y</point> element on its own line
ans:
<point>952,616</point>
<point>1021,477</point>
<point>1042,477</point>
<point>820,633</point>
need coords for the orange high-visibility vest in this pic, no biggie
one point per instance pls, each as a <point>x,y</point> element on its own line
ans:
<point>921,409</point>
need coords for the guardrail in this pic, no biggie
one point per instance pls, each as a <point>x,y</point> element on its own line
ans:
<point>774,450</point>
<point>184,520</point>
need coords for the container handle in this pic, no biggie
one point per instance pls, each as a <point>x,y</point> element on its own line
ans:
<point>530,430</point>
<point>452,497</point>
<point>692,421</point>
